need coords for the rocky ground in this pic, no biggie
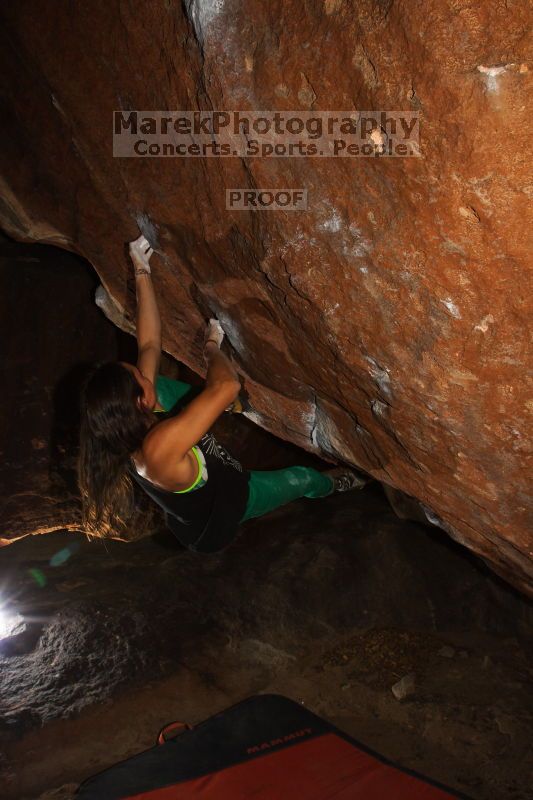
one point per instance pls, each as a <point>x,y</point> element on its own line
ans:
<point>331,602</point>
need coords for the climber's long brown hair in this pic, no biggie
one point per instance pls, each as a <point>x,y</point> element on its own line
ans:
<point>112,427</point>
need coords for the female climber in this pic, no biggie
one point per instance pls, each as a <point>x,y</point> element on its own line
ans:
<point>126,433</point>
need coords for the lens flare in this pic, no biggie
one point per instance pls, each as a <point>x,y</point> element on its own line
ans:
<point>9,623</point>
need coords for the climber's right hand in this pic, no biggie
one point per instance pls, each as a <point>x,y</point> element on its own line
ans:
<point>141,252</point>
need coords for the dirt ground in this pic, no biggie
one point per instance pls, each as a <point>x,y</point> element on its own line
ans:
<point>329,602</point>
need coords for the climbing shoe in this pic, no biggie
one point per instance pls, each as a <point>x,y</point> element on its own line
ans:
<point>346,479</point>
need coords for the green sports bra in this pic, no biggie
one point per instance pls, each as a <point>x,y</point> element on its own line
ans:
<point>201,477</point>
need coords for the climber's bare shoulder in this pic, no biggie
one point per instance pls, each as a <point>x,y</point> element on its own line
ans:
<point>172,474</point>
<point>170,440</point>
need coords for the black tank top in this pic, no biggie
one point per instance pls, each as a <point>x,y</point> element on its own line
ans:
<point>207,518</point>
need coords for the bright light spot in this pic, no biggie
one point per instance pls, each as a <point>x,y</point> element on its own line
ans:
<point>9,623</point>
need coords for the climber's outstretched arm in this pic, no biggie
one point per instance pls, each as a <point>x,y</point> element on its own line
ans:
<point>170,440</point>
<point>148,319</point>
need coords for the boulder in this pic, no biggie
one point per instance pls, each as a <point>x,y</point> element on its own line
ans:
<point>386,326</point>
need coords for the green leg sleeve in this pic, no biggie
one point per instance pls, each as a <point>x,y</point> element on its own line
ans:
<point>271,489</point>
<point>170,392</point>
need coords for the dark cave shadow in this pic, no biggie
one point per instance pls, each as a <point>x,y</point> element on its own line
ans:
<point>65,427</point>
<point>165,539</point>
<point>65,424</point>
<point>443,542</point>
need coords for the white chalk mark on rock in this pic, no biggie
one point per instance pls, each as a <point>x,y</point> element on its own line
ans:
<point>491,73</point>
<point>434,518</point>
<point>483,326</point>
<point>113,310</point>
<point>232,331</point>
<point>327,438</point>
<point>452,308</point>
<point>331,310</point>
<point>379,408</point>
<point>254,416</point>
<point>362,246</point>
<point>147,228</point>
<point>378,137</point>
<point>202,13</point>
<point>333,223</point>
<point>380,375</point>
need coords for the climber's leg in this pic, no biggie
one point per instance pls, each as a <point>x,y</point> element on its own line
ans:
<point>171,391</point>
<point>271,489</point>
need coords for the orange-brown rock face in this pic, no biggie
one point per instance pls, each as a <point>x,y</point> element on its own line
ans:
<point>386,325</point>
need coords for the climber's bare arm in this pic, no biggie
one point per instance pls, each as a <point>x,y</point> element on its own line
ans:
<point>169,441</point>
<point>148,319</point>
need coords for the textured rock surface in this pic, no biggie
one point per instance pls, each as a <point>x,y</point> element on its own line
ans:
<point>387,325</point>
